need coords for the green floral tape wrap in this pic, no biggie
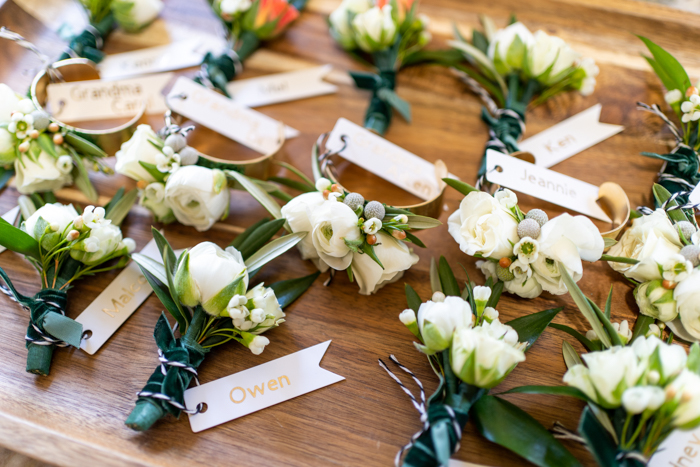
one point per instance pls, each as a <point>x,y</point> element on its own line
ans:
<point>218,70</point>
<point>165,389</point>
<point>89,42</point>
<point>505,129</point>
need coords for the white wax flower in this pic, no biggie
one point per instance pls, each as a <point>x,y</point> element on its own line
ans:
<point>207,276</point>
<point>104,241</point>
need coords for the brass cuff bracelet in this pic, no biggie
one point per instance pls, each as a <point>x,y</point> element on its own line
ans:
<point>82,69</point>
<point>323,166</point>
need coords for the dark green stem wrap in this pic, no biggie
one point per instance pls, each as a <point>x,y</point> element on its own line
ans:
<point>185,351</point>
<point>220,69</point>
<point>88,43</point>
<point>680,173</point>
<point>48,326</point>
<point>435,445</point>
<point>601,444</point>
<point>505,130</point>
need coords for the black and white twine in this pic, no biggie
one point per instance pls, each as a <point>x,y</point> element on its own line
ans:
<point>44,339</point>
<point>420,407</point>
<point>666,205</point>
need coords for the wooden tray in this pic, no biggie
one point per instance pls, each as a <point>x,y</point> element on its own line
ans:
<point>75,416</point>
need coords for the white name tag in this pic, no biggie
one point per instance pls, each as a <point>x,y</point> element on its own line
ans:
<point>387,160</point>
<point>694,196</point>
<point>10,216</point>
<point>260,387</point>
<point>544,184</point>
<point>100,99</point>
<point>281,87</point>
<point>116,303</point>
<point>681,449</point>
<point>568,138</point>
<point>181,54</point>
<point>226,116</point>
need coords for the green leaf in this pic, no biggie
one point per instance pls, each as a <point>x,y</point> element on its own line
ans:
<point>530,327</point>
<point>18,240</point>
<point>618,259</point>
<point>435,285</point>
<point>479,41</point>
<point>259,237</point>
<point>84,146</point>
<point>5,176</point>
<point>117,196</point>
<point>118,211</point>
<point>462,187</point>
<point>289,290</point>
<point>354,245</point>
<point>550,390</point>
<point>693,363</point>
<point>82,179</point>
<point>398,104</point>
<point>422,222</point>
<point>447,278</point>
<point>296,171</point>
<point>46,144</point>
<point>505,424</point>
<point>294,184</point>
<point>238,241</point>
<point>587,343</point>
<point>583,305</point>
<point>369,250</point>
<point>480,58</point>
<point>608,304</point>
<point>413,239</point>
<point>164,249</point>
<point>163,294</point>
<point>169,267</point>
<point>272,250</point>
<point>608,242</point>
<point>262,196</point>
<point>413,299</point>
<point>571,357</point>
<point>154,268</point>
<point>669,64</point>
<point>641,326</point>
<point>152,169</point>
<point>614,336</point>
<point>661,195</point>
<point>496,291</point>
<point>598,440</point>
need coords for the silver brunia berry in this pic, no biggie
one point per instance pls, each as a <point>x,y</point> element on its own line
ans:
<point>354,200</point>
<point>374,209</point>
<point>529,228</point>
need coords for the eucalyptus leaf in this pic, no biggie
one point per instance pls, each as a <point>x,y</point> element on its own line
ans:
<point>289,290</point>
<point>84,146</point>
<point>259,237</point>
<point>294,184</point>
<point>413,239</point>
<point>273,249</point>
<point>530,327</point>
<point>505,424</point>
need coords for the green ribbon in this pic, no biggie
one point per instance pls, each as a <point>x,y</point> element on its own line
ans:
<point>48,326</point>
<point>88,43</point>
<point>219,70</point>
<point>383,101</point>
<point>602,446</point>
<point>505,129</point>
<point>165,389</point>
<point>681,171</point>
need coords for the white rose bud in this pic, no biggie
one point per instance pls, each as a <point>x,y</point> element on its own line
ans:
<point>42,175</point>
<point>133,15</point>
<point>509,46</point>
<point>550,58</point>
<point>374,29</point>
<point>656,301</point>
<point>637,399</point>
<point>53,214</point>
<point>198,196</point>
<point>138,148</point>
<point>438,321</point>
<point>298,214</point>
<point>333,224</point>
<point>210,277</point>
<point>340,21</point>
<point>611,372</point>
<point>130,245</point>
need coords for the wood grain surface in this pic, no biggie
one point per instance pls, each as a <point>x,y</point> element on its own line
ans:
<point>75,416</point>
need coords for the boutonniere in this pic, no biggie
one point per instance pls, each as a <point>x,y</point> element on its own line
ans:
<point>471,352</point>
<point>63,246</point>
<point>103,16</point>
<point>512,69</point>
<point>679,173</point>
<point>660,255</point>
<point>248,23</point>
<point>639,389</point>
<point>524,251</point>
<point>384,34</point>
<point>40,154</point>
<point>367,239</point>
<point>208,291</point>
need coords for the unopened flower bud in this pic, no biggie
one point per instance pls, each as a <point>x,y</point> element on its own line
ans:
<point>73,235</point>
<point>323,184</point>
<point>438,297</point>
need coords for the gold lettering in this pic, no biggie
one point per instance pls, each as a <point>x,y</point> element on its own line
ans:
<point>116,306</point>
<point>231,395</point>
<point>272,385</point>
<point>255,391</point>
<point>125,298</point>
<point>280,380</point>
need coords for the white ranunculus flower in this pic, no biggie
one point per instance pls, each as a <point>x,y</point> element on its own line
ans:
<point>578,376</point>
<point>507,53</point>
<point>481,225</point>
<point>525,287</point>
<point>233,7</point>
<point>686,388</point>
<point>550,52</point>
<point>7,147</point>
<point>488,269</point>
<point>687,295</point>
<point>438,321</point>
<point>298,214</point>
<point>57,215</point>
<point>42,175</point>
<point>207,276</point>
<point>341,21</point>
<point>333,223</point>
<point>650,240</point>
<point>138,148</point>
<point>559,233</point>
<point>104,241</point>
<point>483,356</point>
<point>375,28</point>
<point>133,15</point>
<point>153,198</point>
<point>656,301</point>
<point>8,102</point>
<point>198,196</point>
<point>546,272</point>
<point>396,258</point>
<point>611,372</point>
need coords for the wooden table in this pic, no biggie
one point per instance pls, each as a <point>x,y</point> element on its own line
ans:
<point>75,416</point>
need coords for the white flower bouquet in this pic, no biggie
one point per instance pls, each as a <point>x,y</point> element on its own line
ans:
<point>42,156</point>
<point>639,389</point>
<point>63,246</point>
<point>523,252</point>
<point>207,290</point>
<point>471,352</point>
